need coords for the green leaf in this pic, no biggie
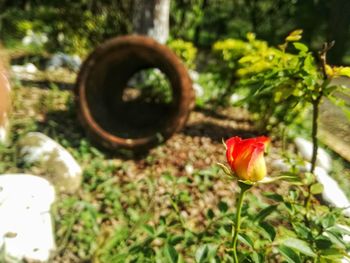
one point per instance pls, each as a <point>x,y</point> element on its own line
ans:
<point>206,253</point>
<point>223,207</point>
<point>302,231</point>
<point>174,240</point>
<point>289,254</point>
<point>328,221</point>
<point>265,212</point>
<point>246,240</point>
<point>210,214</point>
<point>344,71</point>
<point>341,229</point>
<point>290,207</point>
<point>275,197</point>
<point>296,32</point>
<point>171,254</point>
<point>309,66</point>
<point>300,46</point>
<point>201,253</point>
<point>257,258</point>
<point>323,242</point>
<point>225,169</point>
<point>294,36</point>
<point>332,253</point>
<point>149,230</point>
<point>269,229</point>
<point>316,188</point>
<point>336,238</point>
<point>299,245</point>
<point>212,249</point>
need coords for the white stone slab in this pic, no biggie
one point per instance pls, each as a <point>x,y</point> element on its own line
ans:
<point>305,149</point>
<point>332,193</point>
<point>26,230</point>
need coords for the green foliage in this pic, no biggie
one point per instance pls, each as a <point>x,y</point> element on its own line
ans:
<point>150,85</point>
<point>200,21</point>
<point>77,28</point>
<point>186,51</point>
<point>280,81</point>
<point>231,51</point>
<point>204,22</point>
<point>114,219</point>
<point>213,91</point>
<point>278,86</point>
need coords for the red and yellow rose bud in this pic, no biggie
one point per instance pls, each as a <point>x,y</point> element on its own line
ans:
<point>246,157</point>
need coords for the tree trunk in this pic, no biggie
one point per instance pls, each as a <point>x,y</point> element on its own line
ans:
<point>151,18</point>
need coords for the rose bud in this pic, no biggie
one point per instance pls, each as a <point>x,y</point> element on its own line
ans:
<point>246,157</point>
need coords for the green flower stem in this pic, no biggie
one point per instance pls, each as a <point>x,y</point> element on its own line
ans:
<point>235,230</point>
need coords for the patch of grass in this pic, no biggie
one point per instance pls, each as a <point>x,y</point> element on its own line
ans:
<point>132,210</point>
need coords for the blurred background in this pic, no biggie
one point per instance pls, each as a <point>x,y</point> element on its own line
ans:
<point>172,204</point>
<point>78,26</point>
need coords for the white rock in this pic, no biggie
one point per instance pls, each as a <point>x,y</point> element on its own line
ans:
<point>194,75</point>
<point>34,38</point>
<point>60,60</point>
<point>280,165</point>
<point>235,98</point>
<point>27,68</point>
<point>3,134</point>
<point>346,238</point>
<point>25,222</point>
<point>198,89</point>
<point>59,165</point>
<point>332,193</point>
<point>283,166</point>
<point>189,169</point>
<point>305,149</point>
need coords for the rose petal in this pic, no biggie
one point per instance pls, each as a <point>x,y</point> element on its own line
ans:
<point>246,157</point>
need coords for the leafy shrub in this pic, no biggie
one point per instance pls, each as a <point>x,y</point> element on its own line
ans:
<point>186,51</point>
<point>274,80</point>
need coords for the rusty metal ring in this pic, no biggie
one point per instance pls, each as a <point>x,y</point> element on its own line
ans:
<point>102,80</point>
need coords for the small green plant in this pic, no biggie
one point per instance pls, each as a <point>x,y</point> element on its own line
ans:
<point>299,230</point>
<point>227,67</point>
<point>186,51</point>
<point>150,85</point>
